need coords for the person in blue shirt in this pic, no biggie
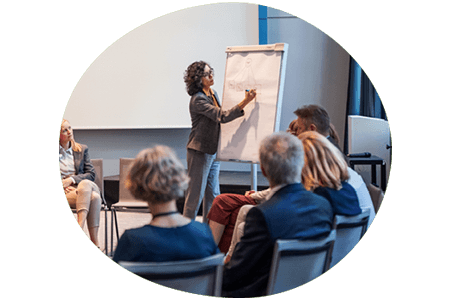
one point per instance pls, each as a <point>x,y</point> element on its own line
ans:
<point>158,177</point>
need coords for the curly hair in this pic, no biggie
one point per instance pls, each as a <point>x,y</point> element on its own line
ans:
<point>157,176</point>
<point>193,77</point>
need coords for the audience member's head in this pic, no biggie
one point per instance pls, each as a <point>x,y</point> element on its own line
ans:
<point>157,176</point>
<point>293,128</point>
<point>66,135</point>
<point>324,165</point>
<point>281,158</point>
<point>313,118</point>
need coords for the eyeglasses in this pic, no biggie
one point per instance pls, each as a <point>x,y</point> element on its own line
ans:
<point>208,74</point>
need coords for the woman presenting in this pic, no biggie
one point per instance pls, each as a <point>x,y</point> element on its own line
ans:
<point>206,116</point>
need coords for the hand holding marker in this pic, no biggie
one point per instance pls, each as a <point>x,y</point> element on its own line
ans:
<point>251,92</point>
<point>249,96</point>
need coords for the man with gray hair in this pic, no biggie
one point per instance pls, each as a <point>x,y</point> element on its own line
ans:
<point>290,212</point>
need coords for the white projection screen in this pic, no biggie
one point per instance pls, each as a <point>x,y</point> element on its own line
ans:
<point>137,82</point>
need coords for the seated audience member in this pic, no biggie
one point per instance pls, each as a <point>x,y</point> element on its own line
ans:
<point>293,128</point>
<point>78,175</point>
<point>325,172</point>
<point>225,208</point>
<point>290,212</point>
<point>224,212</point>
<point>315,118</point>
<point>158,177</point>
<point>316,146</point>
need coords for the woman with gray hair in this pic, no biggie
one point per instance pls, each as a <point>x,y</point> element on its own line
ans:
<point>158,177</point>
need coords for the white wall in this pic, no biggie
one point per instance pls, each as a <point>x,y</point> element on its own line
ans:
<point>137,82</point>
<point>317,69</point>
<point>317,72</point>
<point>113,144</point>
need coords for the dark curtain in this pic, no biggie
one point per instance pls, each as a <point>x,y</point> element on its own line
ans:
<point>363,99</point>
<point>370,103</point>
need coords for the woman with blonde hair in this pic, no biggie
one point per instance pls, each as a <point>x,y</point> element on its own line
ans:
<point>158,177</point>
<point>326,173</point>
<point>78,175</point>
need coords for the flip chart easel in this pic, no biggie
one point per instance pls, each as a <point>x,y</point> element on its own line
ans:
<point>260,67</point>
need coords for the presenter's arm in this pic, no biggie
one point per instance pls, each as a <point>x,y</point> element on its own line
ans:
<point>201,105</point>
<point>249,96</point>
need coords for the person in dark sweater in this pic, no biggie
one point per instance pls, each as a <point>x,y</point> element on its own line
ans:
<point>158,177</point>
<point>290,212</point>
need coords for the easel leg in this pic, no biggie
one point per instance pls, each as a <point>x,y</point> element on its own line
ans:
<point>254,176</point>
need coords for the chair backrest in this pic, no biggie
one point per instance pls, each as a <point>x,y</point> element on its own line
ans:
<point>126,200</point>
<point>124,194</point>
<point>349,230</point>
<point>296,262</point>
<point>376,194</point>
<point>98,166</point>
<point>197,276</point>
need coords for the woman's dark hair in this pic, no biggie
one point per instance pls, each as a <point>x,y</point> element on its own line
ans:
<point>193,77</point>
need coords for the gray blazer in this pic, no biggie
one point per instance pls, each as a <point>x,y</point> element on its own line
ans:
<point>83,166</point>
<point>206,119</point>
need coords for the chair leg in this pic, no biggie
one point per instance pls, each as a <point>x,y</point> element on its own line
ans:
<point>106,231</point>
<point>112,229</point>
<point>117,225</point>
<point>114,222</point>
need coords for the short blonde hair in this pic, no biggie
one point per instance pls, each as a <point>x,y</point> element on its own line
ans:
<point>157,176</point>
<point>325,164</point>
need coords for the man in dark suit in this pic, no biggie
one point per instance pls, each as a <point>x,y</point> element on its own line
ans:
<point>290,212</point>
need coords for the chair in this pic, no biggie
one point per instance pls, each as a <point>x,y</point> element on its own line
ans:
<point>126,201</point>
<point>376,194</point>
<point>296,262</point>
<point>98,167</point>
<point>198,276</point>
<point>349,230</point>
